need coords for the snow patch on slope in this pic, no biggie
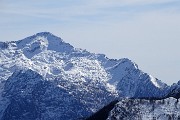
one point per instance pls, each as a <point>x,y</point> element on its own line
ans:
<point>157,82</point>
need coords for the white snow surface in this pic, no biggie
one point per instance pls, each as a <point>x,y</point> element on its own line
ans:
<point>156,82</point>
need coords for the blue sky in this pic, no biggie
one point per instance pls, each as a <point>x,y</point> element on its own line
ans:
<point>147,32</point>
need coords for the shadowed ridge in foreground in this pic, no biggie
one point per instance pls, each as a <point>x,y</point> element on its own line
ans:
<point>103,113</point>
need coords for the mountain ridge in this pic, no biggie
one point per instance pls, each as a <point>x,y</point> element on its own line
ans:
<point>86,78</point>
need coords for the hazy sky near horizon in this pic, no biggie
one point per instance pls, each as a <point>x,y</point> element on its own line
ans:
<point>147,32</point>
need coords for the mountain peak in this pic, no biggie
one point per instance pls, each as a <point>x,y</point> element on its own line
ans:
<point>40,36</point>
<point>48,35</point>
<point>44,34</point>
<point>41,42</point>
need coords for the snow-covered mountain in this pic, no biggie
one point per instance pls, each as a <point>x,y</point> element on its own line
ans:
<point>44,73</point>
<point>141,109</point>
<point>29,97</point>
